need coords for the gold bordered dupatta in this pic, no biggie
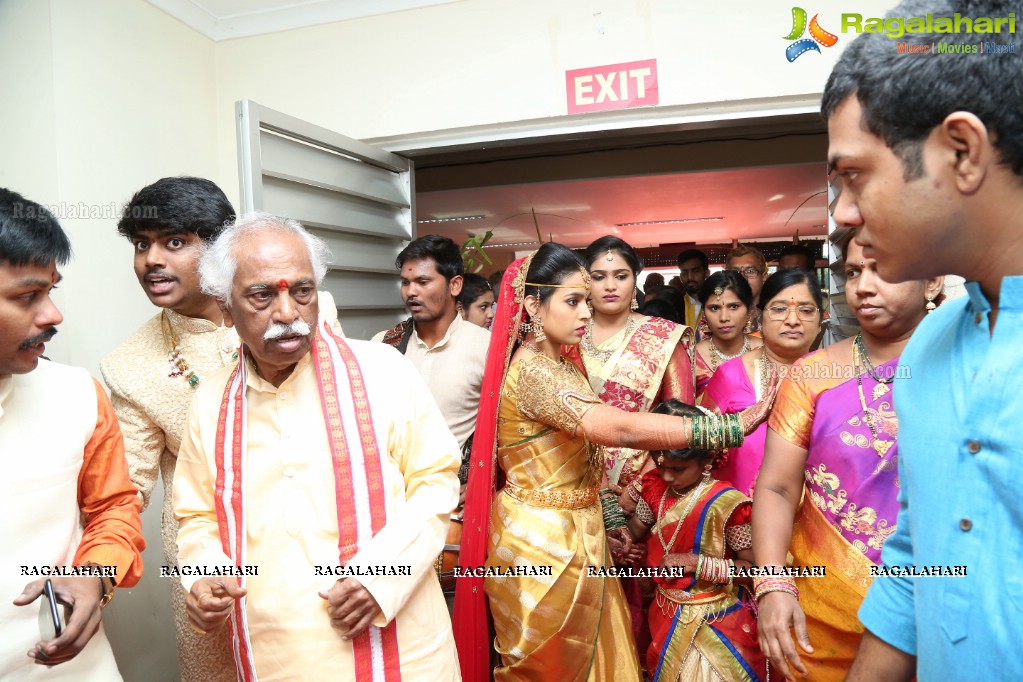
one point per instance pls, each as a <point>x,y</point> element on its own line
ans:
<point>358,482</point>
<point>471,628</point>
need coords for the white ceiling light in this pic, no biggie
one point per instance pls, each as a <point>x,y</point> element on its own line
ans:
<point>499,246</point>
<point>670,221</point>
<point>454,219</point>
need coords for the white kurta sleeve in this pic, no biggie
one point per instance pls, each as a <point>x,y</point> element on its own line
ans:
<point>428,457</point>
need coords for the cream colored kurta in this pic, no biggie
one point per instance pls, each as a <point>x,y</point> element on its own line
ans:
<point>453,369</point>
<point>151,409</point>
<point>291,518</point>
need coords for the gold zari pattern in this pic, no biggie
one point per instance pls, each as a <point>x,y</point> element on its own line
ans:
<point>554,499</point>
<point>739,537</point>
<point>554,393</point>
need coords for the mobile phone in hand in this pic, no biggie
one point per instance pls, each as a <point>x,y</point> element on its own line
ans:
<point>51,618</point>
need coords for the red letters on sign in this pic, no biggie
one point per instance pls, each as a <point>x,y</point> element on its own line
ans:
<point>615,86</point>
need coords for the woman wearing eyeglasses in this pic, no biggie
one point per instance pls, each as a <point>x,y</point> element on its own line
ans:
<point>834,430</point>
<point>791,320</point>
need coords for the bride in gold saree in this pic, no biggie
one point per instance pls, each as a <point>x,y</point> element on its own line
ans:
<point>541,540</point>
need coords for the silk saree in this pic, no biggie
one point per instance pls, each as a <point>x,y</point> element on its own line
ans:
<point>850,501</point>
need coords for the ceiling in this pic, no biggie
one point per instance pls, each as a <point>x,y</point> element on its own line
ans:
<point>225,19</point>
<point>752,204</point>
<point>765,183</point>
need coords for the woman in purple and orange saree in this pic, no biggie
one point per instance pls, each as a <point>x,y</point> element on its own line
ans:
<point>702,629</point>
<point>790,322</point>
<point>833,433</point>
<point>557,616</point>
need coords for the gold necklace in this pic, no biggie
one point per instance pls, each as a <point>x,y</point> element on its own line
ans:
<point>871,416</point>
<point>603,356</point>
<point>766,367</point>
<point>718,357</point>
<point>690,503</point>
<point>882,386</point>
<point>531,345</point>
<point>178,364</point>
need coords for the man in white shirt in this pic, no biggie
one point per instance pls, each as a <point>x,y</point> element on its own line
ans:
<point>449,352</point>
<point>71,514</point>
<point>314,482</point>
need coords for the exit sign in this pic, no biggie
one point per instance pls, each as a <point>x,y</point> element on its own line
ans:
<point>615,86</point>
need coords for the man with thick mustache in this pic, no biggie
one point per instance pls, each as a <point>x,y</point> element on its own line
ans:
<point>153,374</point>
<point>306,469</point>
<point>65,495</point>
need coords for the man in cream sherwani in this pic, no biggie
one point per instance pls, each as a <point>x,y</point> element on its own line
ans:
<point>323,471</point>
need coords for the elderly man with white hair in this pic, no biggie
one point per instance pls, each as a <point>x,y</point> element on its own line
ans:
<point>314,482</point>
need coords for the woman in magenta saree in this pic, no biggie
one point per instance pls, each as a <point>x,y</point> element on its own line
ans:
<point>833,433</point>
<point>740,382</point>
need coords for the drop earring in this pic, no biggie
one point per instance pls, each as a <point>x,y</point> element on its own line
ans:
<point>538,330</point>
<point>635,301</point>
<point>930,304</point>
<point>706,471</point>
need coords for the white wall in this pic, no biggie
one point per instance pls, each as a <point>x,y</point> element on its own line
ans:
<point>108,96</point>
<point>483,62</point>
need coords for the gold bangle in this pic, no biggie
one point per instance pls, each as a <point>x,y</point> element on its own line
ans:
<point>106,584</point>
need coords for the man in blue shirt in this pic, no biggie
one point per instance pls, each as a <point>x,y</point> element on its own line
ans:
<point>928,152</point>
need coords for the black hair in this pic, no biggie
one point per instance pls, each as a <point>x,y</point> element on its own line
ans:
<point>177,205</point>
<point>654,280</point>
<point>659,307</point>
<point>29,233</point>
<point>783,279</point>
<point>612,243</point>
<point>905,98</point>
<point>690,254</point>
<point>727,280</point>
<point>674,297</point>
<point>473,286</point>
<point>552,264</point>
<point>677,408</point>
<point>799,250</point>
<point>444,253</point>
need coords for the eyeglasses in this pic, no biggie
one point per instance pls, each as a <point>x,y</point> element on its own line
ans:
<point>749,272</point>
<point>805,313</point>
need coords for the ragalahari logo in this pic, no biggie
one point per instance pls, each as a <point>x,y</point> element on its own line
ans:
<point>817,35</point>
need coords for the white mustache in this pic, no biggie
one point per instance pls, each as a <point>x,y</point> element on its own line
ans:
<point>276,330</point>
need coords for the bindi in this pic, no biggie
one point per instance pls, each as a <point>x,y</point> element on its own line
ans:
<point>282,285</point>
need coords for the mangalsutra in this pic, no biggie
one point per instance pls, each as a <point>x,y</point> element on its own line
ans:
<point>178,364</point>
<point>603,356</point>
<point>871,416</point>
<point>882,386</point>
<point>717,357</point>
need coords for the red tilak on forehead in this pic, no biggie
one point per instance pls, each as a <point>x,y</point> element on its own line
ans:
<point>282,285</point>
